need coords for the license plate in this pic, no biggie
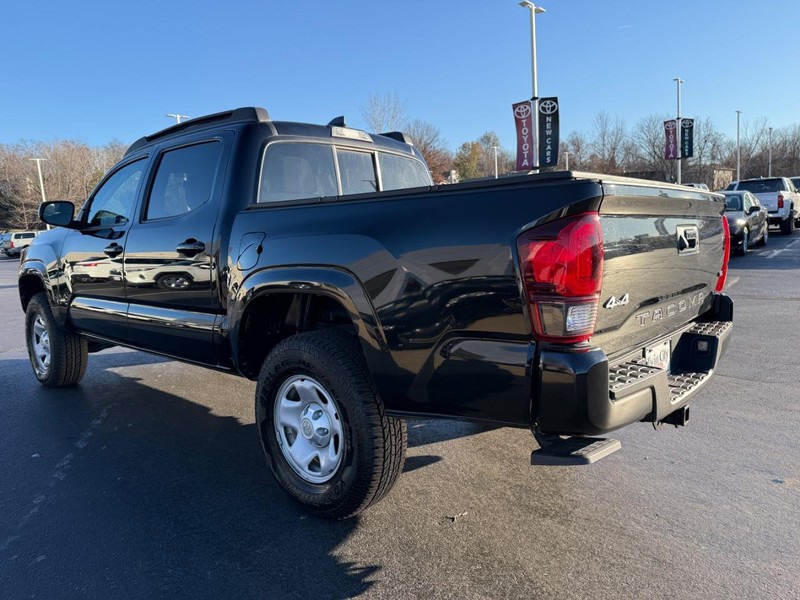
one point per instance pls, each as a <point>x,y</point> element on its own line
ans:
<point>658,355</point>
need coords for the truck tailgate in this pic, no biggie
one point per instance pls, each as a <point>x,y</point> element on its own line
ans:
<point>664,250</point>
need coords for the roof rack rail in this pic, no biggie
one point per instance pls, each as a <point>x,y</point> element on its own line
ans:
<point>253,114</point>
<point>397,135</point>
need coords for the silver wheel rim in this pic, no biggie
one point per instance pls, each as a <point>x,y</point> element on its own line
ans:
<point>308,428</point>
<point>766,233</point>
<point>40,346</point>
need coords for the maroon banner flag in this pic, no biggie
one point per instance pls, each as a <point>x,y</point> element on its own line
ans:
<point>671,143</point>
<point>523,119</point>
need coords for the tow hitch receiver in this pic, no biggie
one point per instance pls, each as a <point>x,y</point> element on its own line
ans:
<point>572,451</point>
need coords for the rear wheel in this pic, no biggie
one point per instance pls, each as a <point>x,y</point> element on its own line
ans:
<point>58,356</point>
<point>787,226</point>
<point>323,427</point>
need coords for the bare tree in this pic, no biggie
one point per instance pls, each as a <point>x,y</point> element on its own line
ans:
<point>427,138</point>
<point>384,113</point>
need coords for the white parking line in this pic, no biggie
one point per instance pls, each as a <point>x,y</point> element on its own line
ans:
<point>775,253</point>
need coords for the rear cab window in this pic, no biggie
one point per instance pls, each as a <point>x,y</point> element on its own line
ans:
<point>305,170</point>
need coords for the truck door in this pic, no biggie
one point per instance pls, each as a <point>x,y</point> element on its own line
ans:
<point>169,267</point>
<point>92,257</point>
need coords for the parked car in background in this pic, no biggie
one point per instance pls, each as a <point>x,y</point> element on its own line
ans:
<point>747,220</point>
<point>17,241</point>
<point>4,238</point>
<point>778,195</point>
<point>701,186</point>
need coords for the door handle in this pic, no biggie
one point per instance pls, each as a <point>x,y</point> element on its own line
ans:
<point>190,247</point>
<point>113,250</point>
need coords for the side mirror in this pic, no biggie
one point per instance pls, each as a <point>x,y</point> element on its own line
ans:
<point>58,213</point>
<point>753,209</point>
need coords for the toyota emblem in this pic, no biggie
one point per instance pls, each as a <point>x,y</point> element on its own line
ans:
<point>548,107</point>
<point>523,111</point>
<point>669,125</point>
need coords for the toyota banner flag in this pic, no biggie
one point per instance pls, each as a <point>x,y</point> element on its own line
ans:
<point>687,138</point>
<point>547,125</point>
<point>671,143</point>
<point>548,132</point>
<point>523,114</point>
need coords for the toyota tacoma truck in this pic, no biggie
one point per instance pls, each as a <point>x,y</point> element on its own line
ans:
<point>321,262</point>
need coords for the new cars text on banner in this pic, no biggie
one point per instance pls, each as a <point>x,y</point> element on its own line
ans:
<point>671,143</point>
<point>687,138</point>
<point>523,120</point>
<point>548,132</point>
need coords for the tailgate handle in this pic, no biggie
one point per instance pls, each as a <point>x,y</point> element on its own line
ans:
<point>688,239</point>
<point>190,247</point>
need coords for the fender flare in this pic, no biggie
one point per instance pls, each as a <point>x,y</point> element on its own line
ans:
<point>335,283</point>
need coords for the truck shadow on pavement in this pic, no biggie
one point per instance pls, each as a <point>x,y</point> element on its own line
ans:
<point>143,493</point>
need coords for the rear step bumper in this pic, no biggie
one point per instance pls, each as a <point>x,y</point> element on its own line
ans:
<point>580,394</point>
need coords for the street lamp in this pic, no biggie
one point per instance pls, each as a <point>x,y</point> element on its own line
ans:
<point>495,160</point>
<point>566,157</point>
<point>679,81</point>
<point>738,150</point>
<point>535,10</point>
<point>177,117</point>
<point>38,162</point>
<point>769,162</point>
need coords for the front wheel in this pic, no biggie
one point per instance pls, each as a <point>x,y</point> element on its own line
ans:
<point>764,236</point>
<point>323,426</point>
<point>745,238</point>
<point>58,356</point>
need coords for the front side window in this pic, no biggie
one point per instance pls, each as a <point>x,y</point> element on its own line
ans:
<point>292,171</point>
<point>399,172</point>
<point>184,180</point>
<point>114,202</point>
<point>357,171</point>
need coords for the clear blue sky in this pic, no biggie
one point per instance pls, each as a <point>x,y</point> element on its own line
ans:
<point>95,71</point>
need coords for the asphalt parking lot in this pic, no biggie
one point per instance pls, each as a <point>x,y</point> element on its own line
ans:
<point>147,481</point>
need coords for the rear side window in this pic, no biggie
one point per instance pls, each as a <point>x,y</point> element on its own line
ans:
<point>398,172</point>
<point>25,236</point>
<point>357,171</point>
<point>294,171</point>
<point>184,180</point>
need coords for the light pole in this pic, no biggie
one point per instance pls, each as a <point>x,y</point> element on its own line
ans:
<point>495,160</point>
<point>38,162</point>
<point>769,162</point>
<point>738,151</point>
<point>679,81</point>
<point>177,117</point>
<point>566,157</point>
<point>535,10</point>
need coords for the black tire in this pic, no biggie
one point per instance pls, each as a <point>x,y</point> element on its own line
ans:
<point>58,356</point>
<point>745,237</point>
<point>787,226</point>
<point>764,237</point>
<point>372,451</point>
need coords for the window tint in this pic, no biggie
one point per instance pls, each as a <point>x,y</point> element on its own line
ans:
<point>184,180</point>
<point>357,172</point>
<point>25,236</point>
<point>114,202</point>
<point>294,171</point>
<point>733,202</point>
<point>398,172</point>
<point>759,186</point>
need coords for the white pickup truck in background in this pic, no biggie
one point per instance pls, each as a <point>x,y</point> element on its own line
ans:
<point>778,195</point>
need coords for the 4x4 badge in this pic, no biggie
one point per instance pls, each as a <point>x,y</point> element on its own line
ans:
<point>614,303</point>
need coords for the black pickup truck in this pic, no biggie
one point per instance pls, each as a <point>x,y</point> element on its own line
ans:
<point>321,262</point>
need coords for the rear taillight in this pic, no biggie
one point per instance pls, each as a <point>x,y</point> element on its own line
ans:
<point>11,244</point>
<point>723,272</point>
<point>780,200</point>
<point>562,273</point>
